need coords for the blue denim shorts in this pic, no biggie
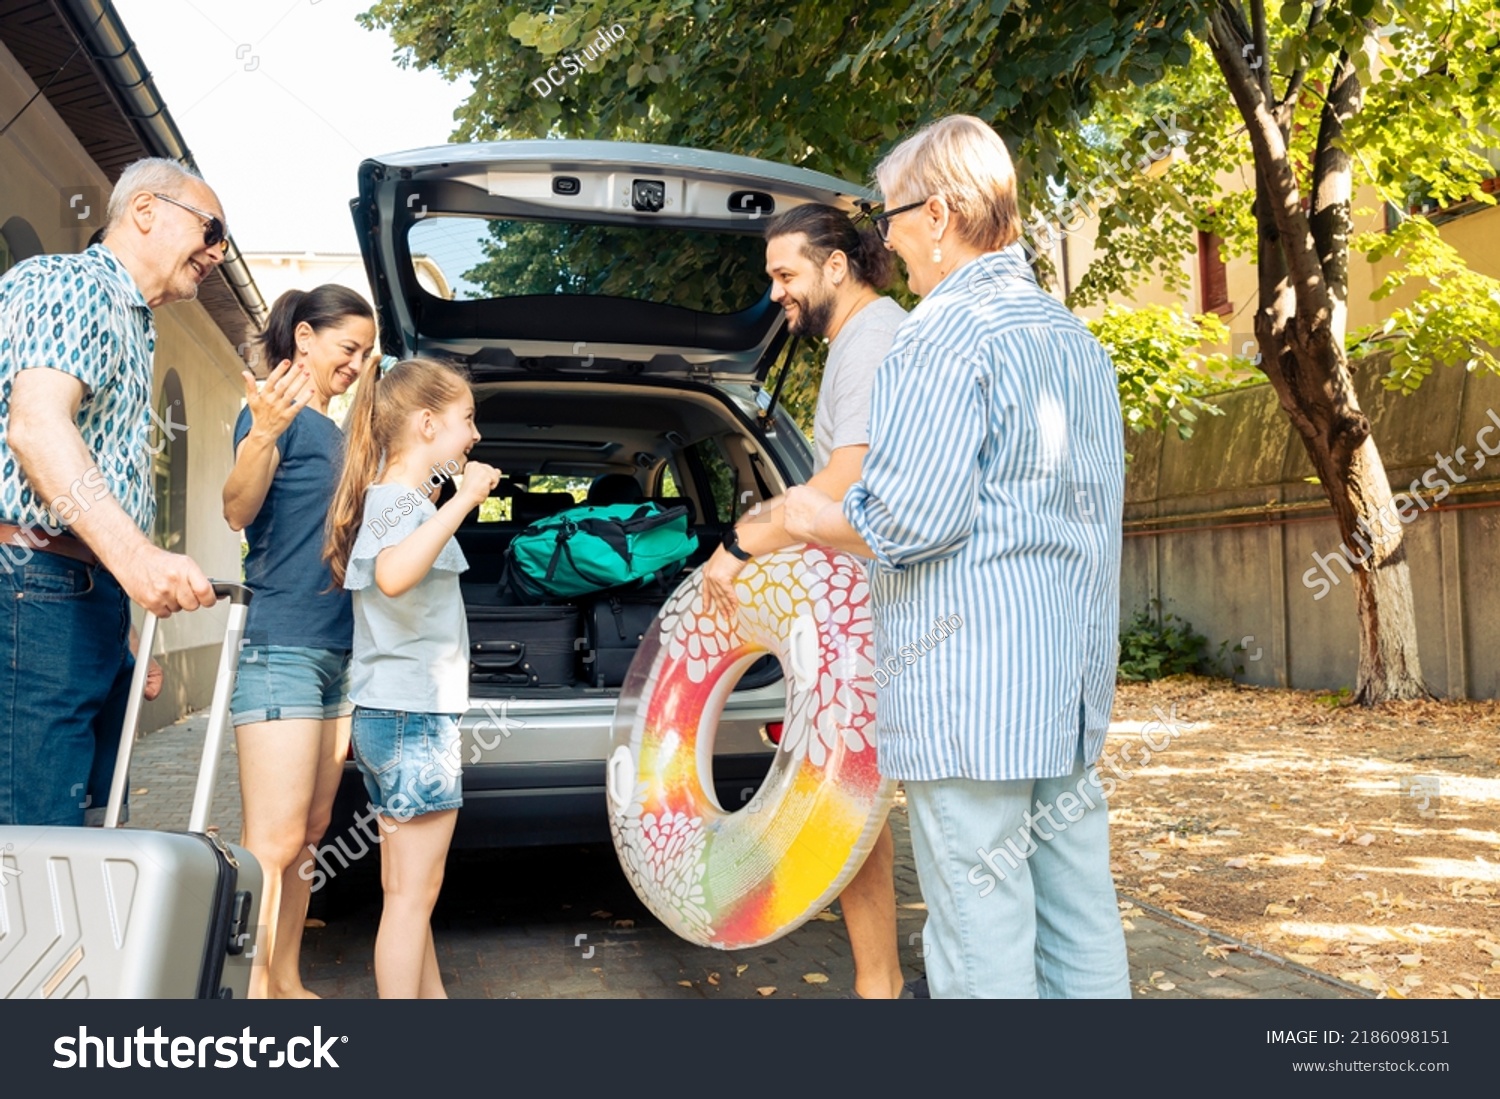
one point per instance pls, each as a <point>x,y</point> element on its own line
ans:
<point>289,682</point>
<point>411,762</point>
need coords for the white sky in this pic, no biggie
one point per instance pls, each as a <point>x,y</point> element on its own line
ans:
<point>280,141</point>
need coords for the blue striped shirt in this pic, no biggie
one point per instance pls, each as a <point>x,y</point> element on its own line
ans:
<point>992,496</point>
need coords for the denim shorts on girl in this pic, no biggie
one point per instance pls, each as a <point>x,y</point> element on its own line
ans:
<point>411,762</point>
<point>290,682</point>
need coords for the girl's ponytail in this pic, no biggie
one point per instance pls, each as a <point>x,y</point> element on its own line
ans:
<point>383,401</point>
<point>361,467</point>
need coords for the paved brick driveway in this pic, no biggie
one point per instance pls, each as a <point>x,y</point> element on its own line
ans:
<point>563,922</point>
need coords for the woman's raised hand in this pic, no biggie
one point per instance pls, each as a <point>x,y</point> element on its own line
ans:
<point>275,405</point>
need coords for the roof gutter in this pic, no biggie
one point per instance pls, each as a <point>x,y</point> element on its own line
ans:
<point>98,26</point>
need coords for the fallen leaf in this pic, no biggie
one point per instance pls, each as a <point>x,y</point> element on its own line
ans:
<point>1237,863</point>
<point>815,978</point>
<point>686,984</point>
<point>1218,971</point>
<point>1463,991</point>
<point>1189,914</point>
<point>740,969</point>
<point>1365,978</point>
<point>1365,840</point>
<point>313,922</point>
<point>713,978</point>
<point>1410,961</point>
<point>601,915</point>
<point>1166,986</point>
<point>1279,910</point>
<point>1490,948</point>
<point>1158,974</point>
<point>142,790</point>
<point>1312,946</point>
<point>766,990</point>
<point>624,924</point>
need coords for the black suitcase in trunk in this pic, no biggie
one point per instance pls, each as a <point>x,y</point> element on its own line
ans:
<point>616,625</point>
<point>523,646</point>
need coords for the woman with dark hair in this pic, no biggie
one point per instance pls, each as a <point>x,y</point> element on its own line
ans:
<point>291,697</point>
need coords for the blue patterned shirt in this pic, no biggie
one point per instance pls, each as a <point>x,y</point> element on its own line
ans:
<point>81,314</point>
<point>992,496</point>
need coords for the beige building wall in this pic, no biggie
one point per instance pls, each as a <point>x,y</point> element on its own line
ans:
<point>1476,236</point>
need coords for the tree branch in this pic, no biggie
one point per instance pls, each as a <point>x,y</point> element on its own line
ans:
<point>1332,183</point>
<point>1273,165</point>
<point>1259,36</point>
<point>1288,104</point>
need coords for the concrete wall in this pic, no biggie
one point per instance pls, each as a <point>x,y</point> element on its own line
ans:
<point>42,162</point>
<point>1238,570</point>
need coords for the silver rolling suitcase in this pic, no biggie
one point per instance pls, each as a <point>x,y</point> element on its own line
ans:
<point>119,913</point>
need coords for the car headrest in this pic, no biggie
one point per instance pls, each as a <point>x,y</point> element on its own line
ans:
<point>528,507</point>
<point>615,488</point>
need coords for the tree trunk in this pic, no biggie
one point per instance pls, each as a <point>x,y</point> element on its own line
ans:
<point>1302,265</point>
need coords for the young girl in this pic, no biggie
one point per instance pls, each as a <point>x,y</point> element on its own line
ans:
<point>409,678</point>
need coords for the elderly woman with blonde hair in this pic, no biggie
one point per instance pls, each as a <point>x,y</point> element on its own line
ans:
<point>990,502</point>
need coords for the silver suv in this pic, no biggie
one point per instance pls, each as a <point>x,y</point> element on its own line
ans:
<point>610,303</point>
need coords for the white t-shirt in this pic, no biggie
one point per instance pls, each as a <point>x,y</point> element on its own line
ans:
<point>410,652</point>
<point>843,415</point>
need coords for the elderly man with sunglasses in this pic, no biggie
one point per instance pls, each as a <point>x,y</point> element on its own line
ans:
<point>77,339</point>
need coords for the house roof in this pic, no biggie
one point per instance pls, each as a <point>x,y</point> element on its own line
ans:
<point>80,54</point>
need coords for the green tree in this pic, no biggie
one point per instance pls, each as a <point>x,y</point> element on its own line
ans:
<point>1292,106</point>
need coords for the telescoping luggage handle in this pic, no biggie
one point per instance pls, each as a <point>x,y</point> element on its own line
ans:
<point>218,712</point>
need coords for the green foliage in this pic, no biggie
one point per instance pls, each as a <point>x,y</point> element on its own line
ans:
<point>1078,91</point>
<point>1455,320</point>
<point>1154,645</point>
<point>1164,376</point>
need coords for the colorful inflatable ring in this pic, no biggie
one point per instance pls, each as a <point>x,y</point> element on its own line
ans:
<point>739,879</point>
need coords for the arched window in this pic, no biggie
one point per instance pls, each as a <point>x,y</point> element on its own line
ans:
<point>18,241</point>
<point>169,465</point>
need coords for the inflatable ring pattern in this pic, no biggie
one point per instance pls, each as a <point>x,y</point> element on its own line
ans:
<point>742,878</point>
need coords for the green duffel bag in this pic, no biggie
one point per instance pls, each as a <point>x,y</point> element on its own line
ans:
<point>586,550</point>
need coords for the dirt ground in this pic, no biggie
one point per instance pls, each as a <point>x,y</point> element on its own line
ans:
<point>1362,843</point>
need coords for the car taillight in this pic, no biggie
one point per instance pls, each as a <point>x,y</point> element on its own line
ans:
<point>773,731</point>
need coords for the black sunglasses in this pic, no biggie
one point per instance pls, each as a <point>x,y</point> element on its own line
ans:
<point>882,221</point>
<point>213,230</point>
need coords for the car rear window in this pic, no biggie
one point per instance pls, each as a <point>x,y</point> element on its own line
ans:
<point>468,258</point>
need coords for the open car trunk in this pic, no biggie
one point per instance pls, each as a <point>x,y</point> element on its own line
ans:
<point>680,436</point>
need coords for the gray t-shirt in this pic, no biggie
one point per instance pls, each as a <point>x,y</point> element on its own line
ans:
<point>412,652</point>
<point>843,416</point>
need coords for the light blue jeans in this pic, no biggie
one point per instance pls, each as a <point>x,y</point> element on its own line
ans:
<point>1012,913</point>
